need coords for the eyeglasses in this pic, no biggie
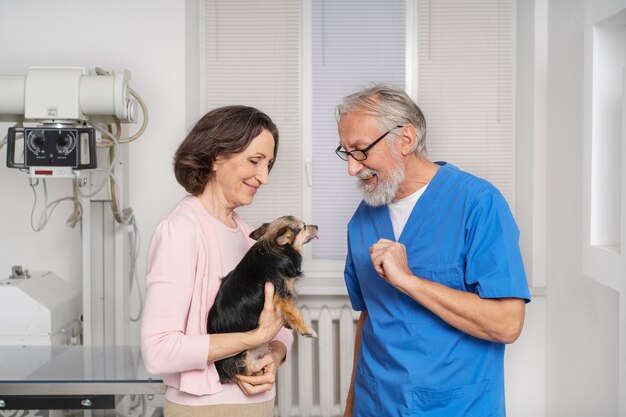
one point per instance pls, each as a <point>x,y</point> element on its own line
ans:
<point>361,154</point>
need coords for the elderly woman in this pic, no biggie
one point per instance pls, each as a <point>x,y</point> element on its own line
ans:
<point>222,163</point>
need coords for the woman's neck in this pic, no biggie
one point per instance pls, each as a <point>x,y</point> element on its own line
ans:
<point>215,204</point>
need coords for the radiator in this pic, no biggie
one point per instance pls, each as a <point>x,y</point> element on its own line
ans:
<point>315,379</point>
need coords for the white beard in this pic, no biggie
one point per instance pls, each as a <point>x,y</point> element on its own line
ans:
<point>385,190</point>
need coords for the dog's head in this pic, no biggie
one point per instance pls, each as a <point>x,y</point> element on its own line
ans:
<point>286,230</point>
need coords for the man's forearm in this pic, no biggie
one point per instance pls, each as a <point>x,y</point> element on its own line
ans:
<point>498,319</point>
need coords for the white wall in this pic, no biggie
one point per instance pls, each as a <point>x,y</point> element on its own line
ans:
<point>146,37</point>
<point>582,315</point>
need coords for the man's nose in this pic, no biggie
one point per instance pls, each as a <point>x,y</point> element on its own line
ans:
<point>354,166</point>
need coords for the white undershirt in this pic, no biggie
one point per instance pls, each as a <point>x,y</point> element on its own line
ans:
<point>400,210</point>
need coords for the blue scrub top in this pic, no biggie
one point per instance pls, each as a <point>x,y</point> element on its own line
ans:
<point>461,234</point>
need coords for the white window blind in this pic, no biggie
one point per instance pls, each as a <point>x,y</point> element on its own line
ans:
<point>465,89</point>
<point>355,43</point>
<point>253,58</point>
<point>465,85</point>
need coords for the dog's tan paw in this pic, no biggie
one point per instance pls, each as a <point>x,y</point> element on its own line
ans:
<point>310,333</point>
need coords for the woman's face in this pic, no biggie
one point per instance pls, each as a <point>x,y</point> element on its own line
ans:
<point>239,176</point>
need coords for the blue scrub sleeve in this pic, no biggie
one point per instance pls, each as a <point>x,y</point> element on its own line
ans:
<point>494,267</point>
<point>352,282</point>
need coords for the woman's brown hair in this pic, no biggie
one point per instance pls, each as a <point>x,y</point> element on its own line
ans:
<point>219,133</point>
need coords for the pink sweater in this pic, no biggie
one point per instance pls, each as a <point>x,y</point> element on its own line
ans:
<point>184,268</point>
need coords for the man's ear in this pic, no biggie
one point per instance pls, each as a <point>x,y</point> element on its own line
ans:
<point>407,139</point>
<point>257,233</point>
<point>285,236</point>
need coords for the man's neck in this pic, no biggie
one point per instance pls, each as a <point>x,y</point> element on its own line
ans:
<point>419,172</point>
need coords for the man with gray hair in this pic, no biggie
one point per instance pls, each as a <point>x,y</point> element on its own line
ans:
<point>433,265</point>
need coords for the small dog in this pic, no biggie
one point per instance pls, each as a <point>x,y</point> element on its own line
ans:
<point>275,257</point>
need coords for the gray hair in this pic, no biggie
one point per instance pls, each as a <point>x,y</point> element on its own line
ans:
<point>392,106</point>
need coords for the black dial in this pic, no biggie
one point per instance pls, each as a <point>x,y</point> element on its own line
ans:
<point>35,141</point>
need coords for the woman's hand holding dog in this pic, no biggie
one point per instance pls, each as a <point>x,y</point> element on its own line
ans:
<point>269,363</point>
<point>270,321</point>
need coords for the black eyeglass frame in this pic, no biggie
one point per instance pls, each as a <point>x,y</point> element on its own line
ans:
<point>343,154</point>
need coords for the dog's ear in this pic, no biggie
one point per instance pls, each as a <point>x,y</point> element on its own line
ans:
<point>285,236</point>
<point>256,234</point>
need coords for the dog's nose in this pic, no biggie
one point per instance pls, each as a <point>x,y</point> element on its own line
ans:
<point>311,233</point>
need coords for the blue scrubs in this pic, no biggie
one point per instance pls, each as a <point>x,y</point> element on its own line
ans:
<point>461,234</point>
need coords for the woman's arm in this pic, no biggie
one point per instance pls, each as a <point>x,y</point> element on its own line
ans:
<point>225,345</point>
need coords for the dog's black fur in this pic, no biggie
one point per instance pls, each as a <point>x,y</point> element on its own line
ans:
<point>276,258</point>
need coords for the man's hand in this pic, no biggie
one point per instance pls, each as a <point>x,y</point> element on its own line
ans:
<point>390,261</point>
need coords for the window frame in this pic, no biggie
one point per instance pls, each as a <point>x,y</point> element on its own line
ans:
<point>326,276</point>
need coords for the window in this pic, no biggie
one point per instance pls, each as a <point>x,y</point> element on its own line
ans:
<point>354,44</point>
<point>296,60</point>
<point>603,252</point>
<point>465,86</point>
<point>609,59</point>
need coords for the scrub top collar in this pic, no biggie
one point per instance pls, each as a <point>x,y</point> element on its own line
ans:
<point>420,212</point>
